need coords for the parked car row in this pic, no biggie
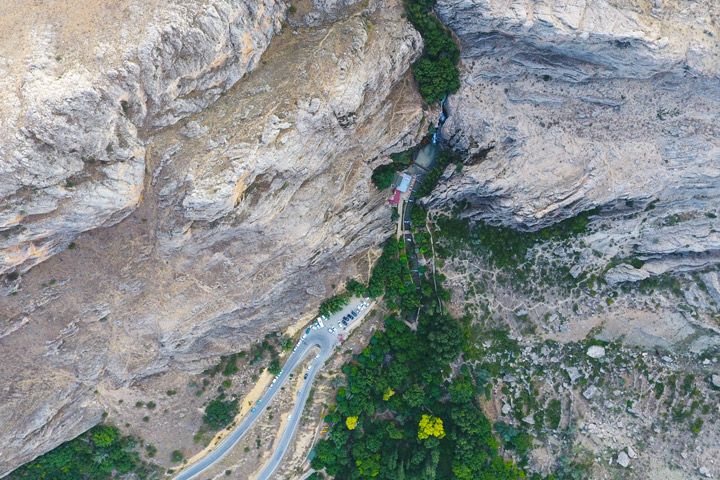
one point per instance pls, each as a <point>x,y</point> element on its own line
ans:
<point>354,314</point>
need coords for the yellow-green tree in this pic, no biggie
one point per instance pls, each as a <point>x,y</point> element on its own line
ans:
<point>430,426</point>
<point>388,393</point>
<point>351,422</point>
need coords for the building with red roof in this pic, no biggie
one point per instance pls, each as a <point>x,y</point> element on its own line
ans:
<point>395,199</point>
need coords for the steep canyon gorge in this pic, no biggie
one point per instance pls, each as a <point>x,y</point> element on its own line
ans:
<point>180,178</point>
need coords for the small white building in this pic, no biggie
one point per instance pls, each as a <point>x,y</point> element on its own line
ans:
<point>404,184</point>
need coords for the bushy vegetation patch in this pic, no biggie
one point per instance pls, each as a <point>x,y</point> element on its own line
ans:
<point>100,453</point>
<point>667,282</point>
<point>176,456</point>
<point>220,413</point>
<point>507,247</point>
<point>274,368</point>
<point>356,288</point>
<point>444,158</point>
<point>383,175</point>
<point>334,304</point>
<point>436,72</point>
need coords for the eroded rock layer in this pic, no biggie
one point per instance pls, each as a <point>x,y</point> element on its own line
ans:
<point>82,83</point>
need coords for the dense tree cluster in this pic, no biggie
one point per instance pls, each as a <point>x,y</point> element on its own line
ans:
<point>219,413</point>
<point>353,287</point>
<point>430,427</point>
<point>443,159</point>
<point>436,71</point>
<point>383,175</point>
<point>391,276</point>
<point>401,414</point>
<point>100,453</point>
<point>334,304</point>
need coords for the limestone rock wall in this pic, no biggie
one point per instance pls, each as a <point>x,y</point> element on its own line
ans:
<point>567,106</point>
<point>248,213</point>
<point>71,153</point>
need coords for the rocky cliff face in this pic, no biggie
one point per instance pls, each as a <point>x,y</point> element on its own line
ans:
<point>569,106</point>
<point>71,155</point>
<point>243,201</point>
<point>230,162</point>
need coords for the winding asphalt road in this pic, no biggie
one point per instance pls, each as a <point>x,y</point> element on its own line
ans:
<point>319,337</point>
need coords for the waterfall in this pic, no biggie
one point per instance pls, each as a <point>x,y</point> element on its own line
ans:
<point>437,134</point>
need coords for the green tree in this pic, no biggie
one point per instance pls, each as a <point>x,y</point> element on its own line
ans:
<point>334,304</point>
<point>176,456</point>
<point>274,367</point>
<point>414,396</point>
<point>382,176</point>
<point>219,413</point>
<point>430,426</point>
<point>462,389</point>
<point>355,288</point>
<point>104,436</point>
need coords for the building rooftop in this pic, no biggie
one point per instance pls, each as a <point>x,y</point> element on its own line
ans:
<point>395,199</point>
<point>404,182</point>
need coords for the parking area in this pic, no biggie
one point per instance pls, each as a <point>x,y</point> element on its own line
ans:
<point>338,324</point>
<point>343,321</point>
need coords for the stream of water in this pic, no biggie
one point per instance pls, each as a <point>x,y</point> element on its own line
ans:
<point>426,156</point>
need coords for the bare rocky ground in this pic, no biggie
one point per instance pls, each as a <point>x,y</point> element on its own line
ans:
<point>563,290</point>
<point>650,395</point>
<point>565,107</point>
